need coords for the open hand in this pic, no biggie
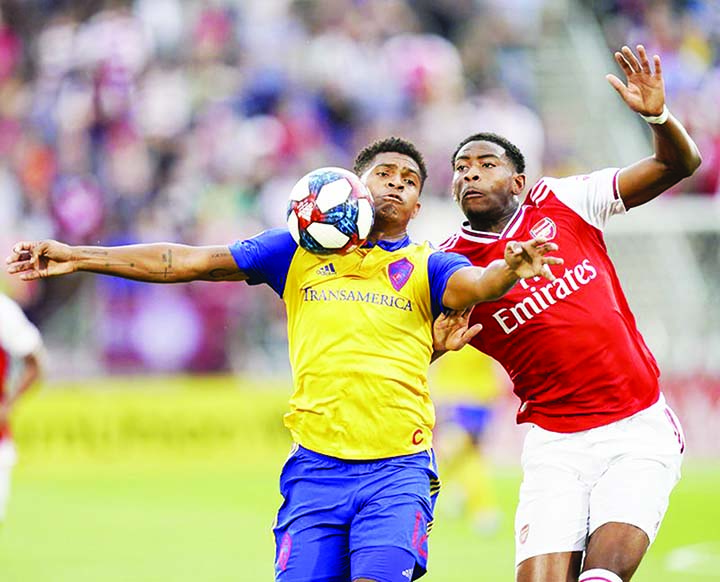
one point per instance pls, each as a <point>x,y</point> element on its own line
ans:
<point>528,259</point>
<point>40,259</point>
<point>451,331</point>
<point>645,89</point>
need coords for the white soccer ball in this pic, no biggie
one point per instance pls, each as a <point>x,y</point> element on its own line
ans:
<point>330,211</point>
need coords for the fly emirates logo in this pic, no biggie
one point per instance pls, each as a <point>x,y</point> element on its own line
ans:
<point>541,299</point>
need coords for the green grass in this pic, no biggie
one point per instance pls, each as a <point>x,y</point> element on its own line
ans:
<point>192,520</point>
<point>182,487</point>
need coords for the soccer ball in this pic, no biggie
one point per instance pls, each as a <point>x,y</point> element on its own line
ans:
<point>330,211</point>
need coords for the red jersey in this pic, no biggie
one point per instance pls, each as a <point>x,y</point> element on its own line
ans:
<point>571,346</point>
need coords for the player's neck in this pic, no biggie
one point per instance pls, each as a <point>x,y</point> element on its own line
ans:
<point>388,235</point>
<point>495,222</point>
<point>389,230</point>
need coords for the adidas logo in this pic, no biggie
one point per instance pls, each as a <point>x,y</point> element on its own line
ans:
<point>326,270</point>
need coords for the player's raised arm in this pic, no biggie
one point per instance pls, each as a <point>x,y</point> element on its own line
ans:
<point>676,155</point>
<point>471,285</point>
<point>154,263</point>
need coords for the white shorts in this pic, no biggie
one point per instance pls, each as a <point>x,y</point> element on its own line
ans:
<point>8,456</point>
<point>7,460</point>
<point>575,482</point>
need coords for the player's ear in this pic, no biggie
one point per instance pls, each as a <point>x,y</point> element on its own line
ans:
<point>416,209</point>
<point>518,184</point>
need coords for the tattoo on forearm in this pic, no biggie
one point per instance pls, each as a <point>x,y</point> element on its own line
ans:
<point>167,259</point>
<point>220,273</point>
<point>97,252</point>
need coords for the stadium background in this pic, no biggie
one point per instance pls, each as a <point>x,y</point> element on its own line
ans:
<point>153,451</point>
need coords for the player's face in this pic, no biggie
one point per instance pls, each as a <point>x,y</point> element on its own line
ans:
<point>484,180</point>
<point>394,181</point>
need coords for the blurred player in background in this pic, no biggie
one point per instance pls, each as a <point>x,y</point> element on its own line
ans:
<point>20,347</point>
<point>604,450</point>
<point>465,387</point>
<point>360,484</point>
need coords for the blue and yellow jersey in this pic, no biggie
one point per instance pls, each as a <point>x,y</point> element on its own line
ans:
<point>360,336</point>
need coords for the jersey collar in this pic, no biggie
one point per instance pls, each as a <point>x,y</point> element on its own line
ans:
<point>388,245</point>
<point>481,236</point>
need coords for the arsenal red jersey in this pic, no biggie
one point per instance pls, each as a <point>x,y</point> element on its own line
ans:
<point>570,346</point>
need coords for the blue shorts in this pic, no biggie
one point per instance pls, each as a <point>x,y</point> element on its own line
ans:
<point>472,418</point>
<point>343,520</point>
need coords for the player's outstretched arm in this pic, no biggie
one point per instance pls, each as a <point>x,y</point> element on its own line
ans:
<point>154,263</point>
<point>471,285</point>
<point>676,155</point>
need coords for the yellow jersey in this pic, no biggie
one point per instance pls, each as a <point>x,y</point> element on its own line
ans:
<point>360,340</point>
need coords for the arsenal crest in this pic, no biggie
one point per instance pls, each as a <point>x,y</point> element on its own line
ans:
<point>399,273</point>
<point>545,228</point>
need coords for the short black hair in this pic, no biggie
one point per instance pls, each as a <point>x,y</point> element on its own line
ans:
<point>511,150</point>
<point>396,145</point>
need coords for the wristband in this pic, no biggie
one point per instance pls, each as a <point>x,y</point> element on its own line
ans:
<point>658,119</point>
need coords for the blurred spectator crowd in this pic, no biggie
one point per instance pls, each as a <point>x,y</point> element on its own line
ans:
<point>190,120</point>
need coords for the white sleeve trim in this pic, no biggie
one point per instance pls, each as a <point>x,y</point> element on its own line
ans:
<point>594,197</point>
